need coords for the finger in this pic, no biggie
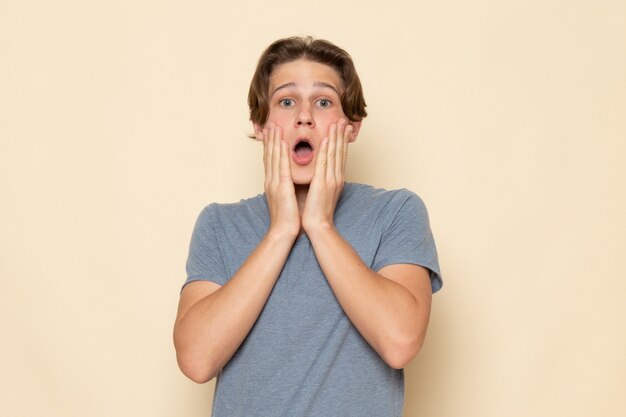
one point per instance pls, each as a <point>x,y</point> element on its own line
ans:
<point>270,153</point>
<point>264,135</point>
<point>346,142</point>
<point>285,169</point>
<point>276,153</point>
<point>332,146</point>
<point>320,165</point>
<point>341,138</point>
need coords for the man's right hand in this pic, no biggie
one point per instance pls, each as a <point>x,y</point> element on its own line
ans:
<point>279,189</point>
<point>214,320</point>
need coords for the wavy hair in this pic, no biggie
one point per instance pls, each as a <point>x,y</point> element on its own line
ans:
<point>316,50</point>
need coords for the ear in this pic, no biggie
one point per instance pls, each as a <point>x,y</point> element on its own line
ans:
<point>258,131</point>
<point>356,126</point>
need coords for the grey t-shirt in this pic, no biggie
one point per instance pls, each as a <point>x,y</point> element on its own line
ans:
<point>303,357</point>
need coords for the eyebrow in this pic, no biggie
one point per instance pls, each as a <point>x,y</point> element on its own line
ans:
<point>315,84</point>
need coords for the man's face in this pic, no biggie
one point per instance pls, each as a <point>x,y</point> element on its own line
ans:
<point>304,100</point>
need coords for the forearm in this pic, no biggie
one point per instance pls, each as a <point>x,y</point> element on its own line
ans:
<point>391,319</point>
<point>209,332</point>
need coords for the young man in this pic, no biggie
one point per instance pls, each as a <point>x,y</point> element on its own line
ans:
<point>309,299</point>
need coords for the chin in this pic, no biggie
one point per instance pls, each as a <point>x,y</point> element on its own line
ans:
<point>302,181</point>
<point>302,178</point>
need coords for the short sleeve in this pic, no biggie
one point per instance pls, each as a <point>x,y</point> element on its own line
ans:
<point>205,262</point>
<point>408,238</point>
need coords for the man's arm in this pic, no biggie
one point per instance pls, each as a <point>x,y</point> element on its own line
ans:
<point>213,320</point>
<point>390,308</point>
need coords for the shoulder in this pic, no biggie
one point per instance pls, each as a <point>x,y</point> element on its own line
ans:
<point>243,218</point>
<point>380,198</point>
<point>381,193</point>
<point>243,207</point>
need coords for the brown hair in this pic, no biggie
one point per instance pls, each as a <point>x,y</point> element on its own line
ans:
<point>316,50</point>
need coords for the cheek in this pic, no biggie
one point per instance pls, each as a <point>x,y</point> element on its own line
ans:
<point>325,119</point>
<point>279,119</point>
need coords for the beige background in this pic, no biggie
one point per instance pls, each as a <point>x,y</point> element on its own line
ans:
<point>121,120</point>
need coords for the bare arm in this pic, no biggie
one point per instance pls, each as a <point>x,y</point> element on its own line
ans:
<point>213,321</point>
<point>390,308</point>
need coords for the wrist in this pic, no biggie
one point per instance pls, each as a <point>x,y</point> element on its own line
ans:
<point>319,228</point>
<point>281,234</point>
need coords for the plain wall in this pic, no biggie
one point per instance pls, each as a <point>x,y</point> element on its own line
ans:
<point>121,120</point>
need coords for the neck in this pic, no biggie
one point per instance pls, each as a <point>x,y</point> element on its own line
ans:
<point>302,190</point>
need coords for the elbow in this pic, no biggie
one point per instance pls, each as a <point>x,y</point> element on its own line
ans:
<point>194,363</point>
<point>198,372</point>
<point>402,351</point>
<point>198,378</point>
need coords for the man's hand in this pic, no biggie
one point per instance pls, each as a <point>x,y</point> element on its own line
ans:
<point>390,309</point>
<point>328,180</point>
<point>279,188</point>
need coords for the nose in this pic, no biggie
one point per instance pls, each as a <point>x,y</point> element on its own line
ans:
<point>305,118</point>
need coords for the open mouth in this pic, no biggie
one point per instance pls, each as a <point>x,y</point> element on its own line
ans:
<point>303,151</point>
